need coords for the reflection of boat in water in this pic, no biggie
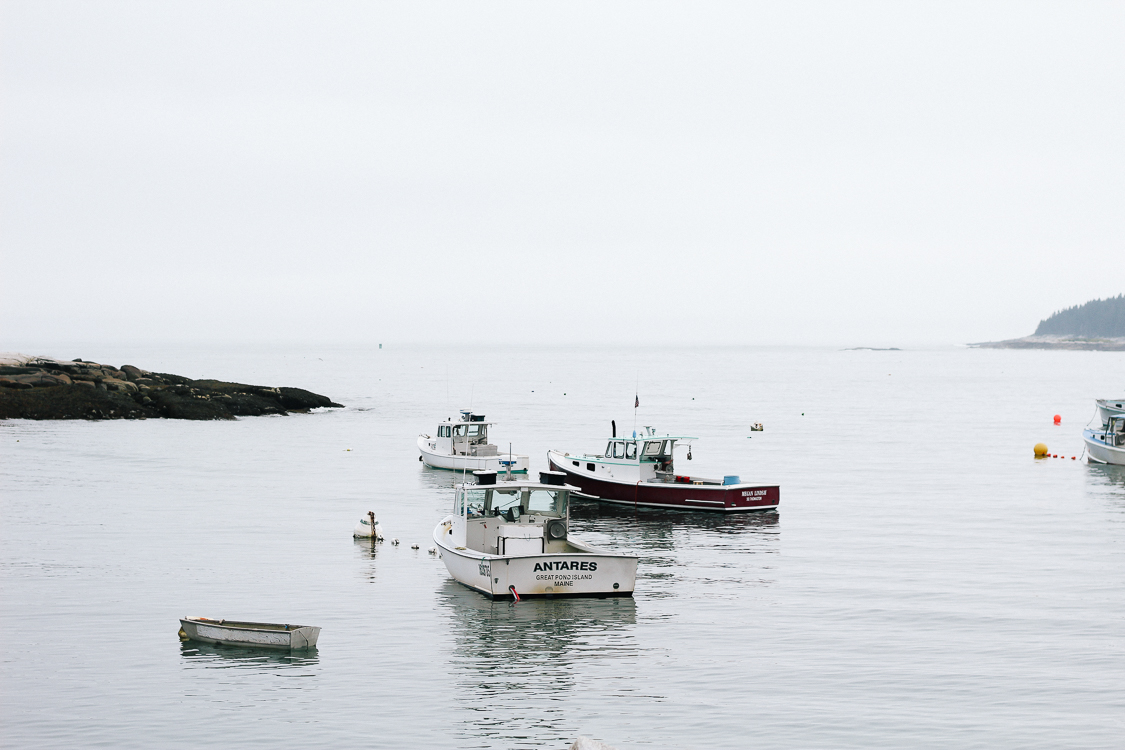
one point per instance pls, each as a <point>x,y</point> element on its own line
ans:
<point>512,539</point>
<point>234,657</point>
<point>639,471</point>
<point>1106,444</point>
<point>464,446</point>
<point>504,652</point>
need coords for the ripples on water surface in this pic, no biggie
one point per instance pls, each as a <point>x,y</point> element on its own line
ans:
<point>925,584</point>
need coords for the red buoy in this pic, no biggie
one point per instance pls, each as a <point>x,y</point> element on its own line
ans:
<point>1058,419</point>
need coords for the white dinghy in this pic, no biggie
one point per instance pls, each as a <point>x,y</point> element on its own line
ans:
<point>511,539</point>
<point>248,634</point>
<point>464,446</point>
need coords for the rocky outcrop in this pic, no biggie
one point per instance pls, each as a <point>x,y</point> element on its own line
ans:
<point>42,388</point>
<point>1057,342</point>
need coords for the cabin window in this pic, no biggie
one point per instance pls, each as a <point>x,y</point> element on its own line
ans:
<point>631,451</point>
<point>548,502</point>
<point>459,430</point>
<point>498,501</point>
<point>443,431</point>
<point>652,449</point>
<point>590,467</point>
<point>475,502</point>
<point>609,449</point>
<point>474,430</point>
<point>618,450</point>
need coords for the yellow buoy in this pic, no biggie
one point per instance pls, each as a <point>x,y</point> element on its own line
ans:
<point>1040,450</point>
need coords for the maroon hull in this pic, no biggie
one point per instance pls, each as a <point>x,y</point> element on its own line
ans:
<point>734,497</point>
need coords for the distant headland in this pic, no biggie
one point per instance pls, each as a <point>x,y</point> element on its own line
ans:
<point>1097,325</point>
<point>45,388</point>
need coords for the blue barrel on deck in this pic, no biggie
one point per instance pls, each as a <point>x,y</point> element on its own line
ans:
<point>731,479</point>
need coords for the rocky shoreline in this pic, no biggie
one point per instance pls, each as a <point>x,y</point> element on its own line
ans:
<point>1108,344</point>
<point>44,388</point>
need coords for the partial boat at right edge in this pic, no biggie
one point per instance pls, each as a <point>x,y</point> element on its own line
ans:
<point>1106,444</point>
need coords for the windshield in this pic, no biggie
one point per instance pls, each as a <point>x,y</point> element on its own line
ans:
<point>497,500</point>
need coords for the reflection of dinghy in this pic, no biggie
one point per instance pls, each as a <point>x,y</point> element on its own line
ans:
<point>368,528</point>
<point>464,446</point>
<point>511,539</point>
<point>249,634</point>
<point>1106,444</point>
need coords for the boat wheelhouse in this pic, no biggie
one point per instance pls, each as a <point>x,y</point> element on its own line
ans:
<point>1106,444</point>
<point>463,446</point>
<point>640,471</point>
<point>512,539</point>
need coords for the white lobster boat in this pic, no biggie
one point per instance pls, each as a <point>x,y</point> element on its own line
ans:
<point>511,539</point>
<point>1106,444</point>
<point>464,446</point>
<point>249,634</point>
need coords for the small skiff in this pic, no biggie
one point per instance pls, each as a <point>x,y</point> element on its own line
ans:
<point>249,634</point>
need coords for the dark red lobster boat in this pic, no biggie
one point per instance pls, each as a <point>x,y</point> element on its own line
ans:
<point>639,471</point>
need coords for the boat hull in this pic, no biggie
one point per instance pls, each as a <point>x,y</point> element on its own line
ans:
<point>470,463</point>
<point>1098,452</point>
<point>249,634</point>
<point>720,498</point>
<point>592,573</point>
<point>1107,408</point>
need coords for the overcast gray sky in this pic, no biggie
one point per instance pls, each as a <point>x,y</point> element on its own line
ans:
<point>818,173</point>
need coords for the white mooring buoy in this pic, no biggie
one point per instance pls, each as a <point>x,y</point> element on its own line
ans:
<point>368,528</point>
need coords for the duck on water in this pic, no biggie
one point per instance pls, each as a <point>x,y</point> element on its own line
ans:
<point>511,539</point>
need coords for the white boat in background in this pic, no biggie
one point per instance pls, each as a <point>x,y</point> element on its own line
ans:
<point>464,446</point>
<point>1106,444</point>
<point>249,634</point>
<point>1108,407</point>
<point>512,539</point>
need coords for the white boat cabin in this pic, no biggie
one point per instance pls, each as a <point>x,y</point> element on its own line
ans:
<point>646,457</point>
<point>511,518</point>
<point>467,437</point>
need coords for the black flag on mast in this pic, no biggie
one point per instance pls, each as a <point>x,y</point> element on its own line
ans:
<point>638,403</point>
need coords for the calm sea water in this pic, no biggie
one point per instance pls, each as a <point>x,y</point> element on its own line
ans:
<point>926,583</point>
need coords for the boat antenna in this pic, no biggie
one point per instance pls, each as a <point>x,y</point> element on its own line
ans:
<point>636,404</point>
